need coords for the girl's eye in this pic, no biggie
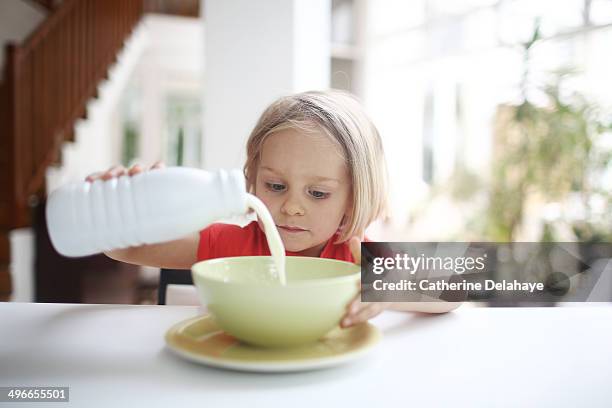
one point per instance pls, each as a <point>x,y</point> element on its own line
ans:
<point>319,194</point>
<point>275,187</point>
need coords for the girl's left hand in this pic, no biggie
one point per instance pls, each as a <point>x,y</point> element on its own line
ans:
<point>357,311</point>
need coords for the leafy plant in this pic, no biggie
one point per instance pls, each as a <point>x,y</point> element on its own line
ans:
<point>549,150</point>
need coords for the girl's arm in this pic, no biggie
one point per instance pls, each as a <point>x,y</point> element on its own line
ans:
<point>425,307</point>
<point>178,254</point>
<point>358,312</point>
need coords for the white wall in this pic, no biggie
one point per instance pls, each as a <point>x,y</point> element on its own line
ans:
<point>256,52</point>
<point>411,62</point>
<point>18,19</point>
<point>173,61</point>
<point>22,264</point>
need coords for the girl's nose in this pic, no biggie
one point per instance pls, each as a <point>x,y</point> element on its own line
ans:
<point>292,206</point>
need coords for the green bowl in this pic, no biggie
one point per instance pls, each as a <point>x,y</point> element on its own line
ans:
<point>248,302</point>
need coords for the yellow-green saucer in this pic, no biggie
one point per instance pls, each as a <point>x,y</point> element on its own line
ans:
<point>201,340</point>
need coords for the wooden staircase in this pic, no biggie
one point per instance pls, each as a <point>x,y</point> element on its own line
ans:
<point>46,84</point>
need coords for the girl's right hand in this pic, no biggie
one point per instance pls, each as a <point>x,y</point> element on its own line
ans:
<point>118,171</point>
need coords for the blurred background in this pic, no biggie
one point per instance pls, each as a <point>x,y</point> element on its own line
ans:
<point>496,115</point>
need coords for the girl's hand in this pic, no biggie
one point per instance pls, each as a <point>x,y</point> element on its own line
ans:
<point>358,312</point>
<point>118,171</point>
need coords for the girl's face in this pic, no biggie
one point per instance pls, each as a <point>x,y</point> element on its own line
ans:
<point>304,181</point>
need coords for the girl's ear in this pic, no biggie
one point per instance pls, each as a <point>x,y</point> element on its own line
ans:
<point>348,212</point>
<point>343,222</point>
<point>347,216</point>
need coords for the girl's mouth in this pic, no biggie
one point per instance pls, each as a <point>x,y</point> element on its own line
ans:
<point>291,228</point>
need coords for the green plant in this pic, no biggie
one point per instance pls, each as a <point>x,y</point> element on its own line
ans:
<point>550,150</point>
<point>129,145</point>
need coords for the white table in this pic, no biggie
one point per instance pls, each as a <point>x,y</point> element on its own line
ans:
<point>114,355</point>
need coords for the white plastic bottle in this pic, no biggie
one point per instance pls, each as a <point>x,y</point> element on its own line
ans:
<point>155,206</point>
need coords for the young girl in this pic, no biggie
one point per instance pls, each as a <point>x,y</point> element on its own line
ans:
<point>316,161</point>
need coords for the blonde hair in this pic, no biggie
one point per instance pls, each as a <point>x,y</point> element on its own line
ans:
<point>341,117</point>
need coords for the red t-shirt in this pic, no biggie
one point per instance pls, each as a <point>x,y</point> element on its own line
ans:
<point>226,240</point>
